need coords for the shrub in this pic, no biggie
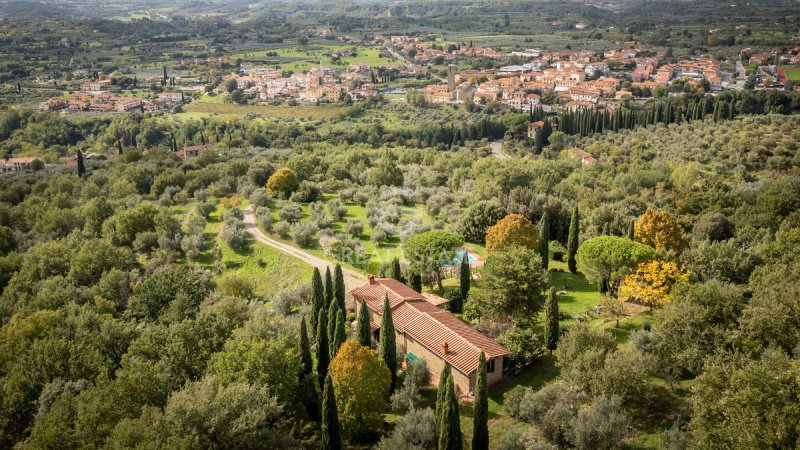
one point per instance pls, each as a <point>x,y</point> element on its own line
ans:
<point>415,430</point>
<point>282,229</point>
<point>601,426</point>
<point>302,233</point>
<point>354,227</point>
<point>291,212</point>
<point>233,232</point>
<point>264,218</point>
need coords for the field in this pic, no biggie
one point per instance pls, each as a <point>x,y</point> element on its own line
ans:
<point>213,106</point>
<point>300,59</point>
<point>793,74</point>
<point>268,269</point>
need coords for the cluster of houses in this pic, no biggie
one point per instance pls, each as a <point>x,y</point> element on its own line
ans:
<point>319,84</point>
<point>98,100</point>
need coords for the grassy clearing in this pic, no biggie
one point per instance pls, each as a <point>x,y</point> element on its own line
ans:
<point>377,253</point>
<point>199,109</point>
<point>267,268</point>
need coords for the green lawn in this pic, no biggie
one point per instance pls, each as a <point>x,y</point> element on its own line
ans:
<point>267,268</point>
<point>793,74</point>
<point>376,253</point>
<point>199,109</point>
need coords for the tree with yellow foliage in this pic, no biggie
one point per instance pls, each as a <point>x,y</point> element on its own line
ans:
<point>651,283</point>
<point>512,230</point>
<point>282,183</point>
<point>361,382</point>
<point>660,230</point>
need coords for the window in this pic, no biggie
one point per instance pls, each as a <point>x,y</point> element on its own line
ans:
<point>490,366</point>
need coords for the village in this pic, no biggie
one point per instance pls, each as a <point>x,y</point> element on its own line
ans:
<point>552,80</point>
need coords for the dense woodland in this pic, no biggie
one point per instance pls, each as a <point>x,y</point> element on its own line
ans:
<point>118,315</point>
<point>649,299</point>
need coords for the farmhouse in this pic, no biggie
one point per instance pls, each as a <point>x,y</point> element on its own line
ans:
<point>425,332</point>
<point>11,165</point>
<point>192,151</point>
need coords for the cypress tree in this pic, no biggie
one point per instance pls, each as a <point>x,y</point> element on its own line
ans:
<point>305,348</point>
<point>388,347</point>
<point>397,273</point>
<point>331,433</point>
<point>318,297</point>
<point>416,282</point>
<point>119,148</point>
<point>333,313</point>
<point>441,396</point>
<point>328,287</point>
<point>450,426</point>
<point>544,240</point>
<point>631,228</point>
<point>363,330</point>
<point>465,276</point>
<point>552,329</point>
<point>338,286</point>
<point>341,333</point>
<point>323,358</point>
<point>81,166</point>
<point>572,241</point>
<point>480,433</point>
<point>165,75</point>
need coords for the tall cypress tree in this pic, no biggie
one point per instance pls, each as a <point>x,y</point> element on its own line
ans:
<point>450,426</point>
<point>441,397</point>
<point>572,241</point>
<point>480,433</point>
<point>465,277</point>
<point>397,273</point>
<point>331,433</point>
<point>552,329</point>
<point>631,229</point>
<point>416,282</point>
<point>329,295</point>
<point>318,297</point>
<point>323,358</point>
<point>305,348</point>
<point>544,240</point>
<point>388,347</point>
<point>363,330</point>
<point>338,286</point>
<point>333,313</point>
<point>119,148</point>
<point>340,332</point>
<point>81,166</point>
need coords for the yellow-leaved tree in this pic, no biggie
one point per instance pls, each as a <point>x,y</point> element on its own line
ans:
<point>511,230</point>
<point>361,382</point>
<point>282,182</point>
<point>660,230</point>
<point>651,284</point>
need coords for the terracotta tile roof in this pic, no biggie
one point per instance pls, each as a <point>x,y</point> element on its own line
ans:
<point>418,317</point>
<point>435,299</point>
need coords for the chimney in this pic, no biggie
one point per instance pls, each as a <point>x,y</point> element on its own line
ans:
<point>371,279</point>
<point>445,348</point>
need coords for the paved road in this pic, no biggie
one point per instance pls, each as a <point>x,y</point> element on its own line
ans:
<point>497,149</point>
<point>352,278</point>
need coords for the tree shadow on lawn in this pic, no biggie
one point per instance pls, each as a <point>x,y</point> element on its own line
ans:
<point>535,376</point>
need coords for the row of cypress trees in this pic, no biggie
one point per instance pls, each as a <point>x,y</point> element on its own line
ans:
<point>588,121</point>
<point>448,425</point>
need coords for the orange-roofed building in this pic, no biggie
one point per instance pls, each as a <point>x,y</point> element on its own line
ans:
<point>426,332</point>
